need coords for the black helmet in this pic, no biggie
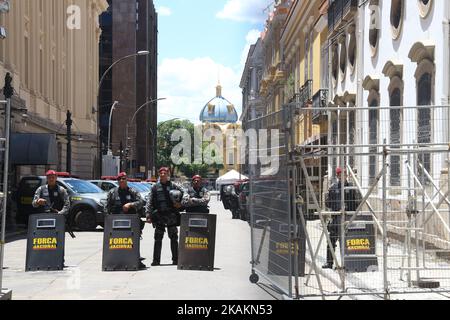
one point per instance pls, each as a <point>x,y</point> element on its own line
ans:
<point>175,196</point>
<point>228,190</point>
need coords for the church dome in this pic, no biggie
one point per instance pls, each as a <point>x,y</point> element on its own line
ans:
<point>219,110</point>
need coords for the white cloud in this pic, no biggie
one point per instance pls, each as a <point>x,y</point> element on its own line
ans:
<point>251,38</point>
<point>188,84</point>
<point>244,10</point>
<point>164,11</point>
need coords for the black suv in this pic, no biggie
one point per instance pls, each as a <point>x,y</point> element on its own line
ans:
<point>87,201</point>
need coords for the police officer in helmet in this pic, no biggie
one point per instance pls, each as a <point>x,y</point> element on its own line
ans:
<point>163,210</point>
<point>124,200</point>
<point>52,197</point>
<point>198,196</point>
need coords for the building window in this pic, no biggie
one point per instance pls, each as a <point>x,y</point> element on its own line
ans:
<point>324,79</point>
<point>211,109</point>
<point>373,139</point>
<point>424,98</point>
<point>374,31</point>
<point>395,135</point>
<point>425,7</point>
<point>352,51</point>
<point>397,8</point>
<point>306,60</point>
<point>54,93</point>
<point>26,65</point>
<point>41,73</point>
<point>334,64</point>
<point>343,59</point>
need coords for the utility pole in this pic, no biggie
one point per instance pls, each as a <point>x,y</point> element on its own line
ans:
<point>69,123</point>
<point>8,92</point>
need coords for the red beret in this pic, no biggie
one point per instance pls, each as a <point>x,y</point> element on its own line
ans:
<point>196,177</point>
<point>121,175</point>
<point>338,170</point>
<point>164,169</point>
<point>51,173</point>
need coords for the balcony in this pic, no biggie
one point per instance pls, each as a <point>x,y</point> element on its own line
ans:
<point>339,12</point>
<point>349,7</point>
<point>338,4</point>
<point>305,94</point>
<point>320,100</point>
<point>331,18</point>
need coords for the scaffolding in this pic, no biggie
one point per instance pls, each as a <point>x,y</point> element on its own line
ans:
<point>387,234</point>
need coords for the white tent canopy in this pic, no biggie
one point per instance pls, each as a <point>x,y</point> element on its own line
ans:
<point>230,178</point>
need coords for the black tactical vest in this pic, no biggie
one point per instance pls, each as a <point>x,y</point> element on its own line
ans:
<point>53,197</point>
<point>117,207</point>
<point>163,202</point>
<point>199,194</point>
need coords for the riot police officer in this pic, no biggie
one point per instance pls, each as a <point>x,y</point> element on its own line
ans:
<point>233,192</point>
<point>52,197</point>
<point>163,210</point>
<point>352,199</point>
<point>198,197</point>
<point>125,200</point>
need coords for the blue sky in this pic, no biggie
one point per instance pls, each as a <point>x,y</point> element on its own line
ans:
<point>198,41</point>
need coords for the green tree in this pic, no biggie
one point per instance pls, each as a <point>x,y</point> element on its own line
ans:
<point>165,147</point>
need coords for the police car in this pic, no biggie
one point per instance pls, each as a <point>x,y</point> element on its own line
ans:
<point>87,201</point>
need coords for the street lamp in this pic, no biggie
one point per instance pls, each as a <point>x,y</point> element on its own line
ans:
<point>109,126</point>
<point>134,116</point>
<point>139,53</point>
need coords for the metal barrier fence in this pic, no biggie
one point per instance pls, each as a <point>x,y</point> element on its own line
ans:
<point>270,208</point>
<point>385,233</point>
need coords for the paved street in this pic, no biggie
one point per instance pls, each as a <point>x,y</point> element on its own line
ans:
<point>83,279</point>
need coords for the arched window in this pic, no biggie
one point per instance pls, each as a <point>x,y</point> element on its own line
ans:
<point>335,63</point>
<point>425,7</point>
<point>374,27</point>
<point>396,17</point>
<point>373,139</point>
<point>424,98</point>
<point>395,135</point>
<point>352,53</point>
<point>343,59</point>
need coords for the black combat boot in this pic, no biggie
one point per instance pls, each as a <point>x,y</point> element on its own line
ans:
<point>174,248</point>
<point>157,253</point>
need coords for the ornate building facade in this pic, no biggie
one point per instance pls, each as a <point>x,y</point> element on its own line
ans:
<point>219,114</point>
<point>54,66</point>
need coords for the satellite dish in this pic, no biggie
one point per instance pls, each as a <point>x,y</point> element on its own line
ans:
<point>4,6</point>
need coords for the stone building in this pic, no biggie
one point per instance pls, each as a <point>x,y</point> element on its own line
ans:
<point>252,106</point>
<point>51,51</point>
